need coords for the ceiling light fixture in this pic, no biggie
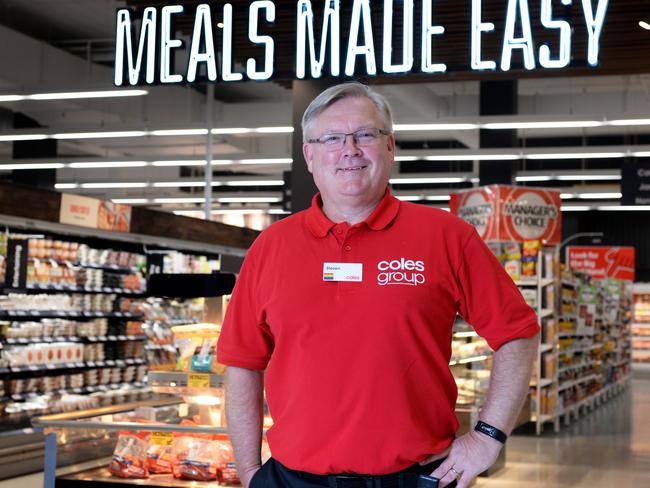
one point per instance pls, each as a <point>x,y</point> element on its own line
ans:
<point>100,135</point>
<point>266,161</point>
<point>577,155</point>
<point>441,126</point>
<point>473,157</point>
<point>23,137</point>
<point>409,198</point>
<point>74,95</point>
<point>576,208</point>
<point>232,130</point>
<point>27,166</point>
<point>107,164</point>
<point>274,130</point>
<point>434,180</point>
<point>65,186</point>
<point>114,185</point>
<point>249,199</point>
<point>644,25</point>
<point>133,201</point>
<point>179,132</point>
<point>179,200</point>
<point>629,122</point>
<point>624,207</point>
<point>557,124</point>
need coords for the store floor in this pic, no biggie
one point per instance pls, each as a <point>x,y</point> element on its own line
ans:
<point>609,447</point>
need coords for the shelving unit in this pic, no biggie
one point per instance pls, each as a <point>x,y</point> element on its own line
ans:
<point>640,338</point>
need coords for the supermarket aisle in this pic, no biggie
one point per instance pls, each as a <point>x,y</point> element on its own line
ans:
<point>610,447</point>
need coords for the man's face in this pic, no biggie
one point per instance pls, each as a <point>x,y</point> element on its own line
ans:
<point>355,172</point>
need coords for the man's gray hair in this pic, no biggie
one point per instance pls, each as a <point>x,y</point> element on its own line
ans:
<point>340,92</point>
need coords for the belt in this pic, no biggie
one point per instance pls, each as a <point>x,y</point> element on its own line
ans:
<point>403,479</point>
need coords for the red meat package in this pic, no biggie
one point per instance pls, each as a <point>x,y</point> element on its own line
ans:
<point>227,469</point>
<point>130,455</point>
<point>159,454</point>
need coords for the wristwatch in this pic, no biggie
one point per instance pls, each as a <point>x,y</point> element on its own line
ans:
<point>491,431</point>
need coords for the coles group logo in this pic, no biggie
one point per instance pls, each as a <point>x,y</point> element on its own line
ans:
<point>530,215</point>
<point>400,271</point>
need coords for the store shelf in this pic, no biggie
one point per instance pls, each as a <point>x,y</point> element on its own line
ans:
<point>573,366</point>
<point>103,478</point>
<point>77,391</point>
<point>104,267</point>
<point>170,322</point>
<point>74,289</point>
<point>577,382</point>
<point>641,325</point>
<point>534,282</point>
<point>543,383</point>
<point>68,314</point>
<point>546,347</point>
<point>471,359</point>
<point>181,383</point>
<point>109,338</point>
<point>568,283</point>
<point>543,418</point>
<point>119,363</point>
<point>546,312</point>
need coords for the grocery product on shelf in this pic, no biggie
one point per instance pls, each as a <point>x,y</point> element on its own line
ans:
<point>641,325</point>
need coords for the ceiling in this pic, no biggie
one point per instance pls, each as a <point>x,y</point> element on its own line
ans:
<point>65,45</point>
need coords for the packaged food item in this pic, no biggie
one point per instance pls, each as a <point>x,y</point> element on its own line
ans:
<point>195,456</point>
<point>196,345</point>
<point>513,268</point>
<point>130,455</point>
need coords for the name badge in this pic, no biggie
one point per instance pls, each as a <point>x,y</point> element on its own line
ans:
<point>342,272</point>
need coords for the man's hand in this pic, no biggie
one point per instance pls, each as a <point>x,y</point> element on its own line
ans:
<point>470,455</point>
<point>245,476</point>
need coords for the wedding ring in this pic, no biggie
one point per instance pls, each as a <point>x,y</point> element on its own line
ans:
<point>457,473</point>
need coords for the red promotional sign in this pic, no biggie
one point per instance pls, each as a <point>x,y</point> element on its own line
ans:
<point>602,261</point>
<point>510,213</point>
<point>478,207</point>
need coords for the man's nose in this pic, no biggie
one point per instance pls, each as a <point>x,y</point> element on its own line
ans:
<point>350,145</point>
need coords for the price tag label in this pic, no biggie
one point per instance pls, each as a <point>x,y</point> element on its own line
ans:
<point>162,438</point>
<point>198,380</point>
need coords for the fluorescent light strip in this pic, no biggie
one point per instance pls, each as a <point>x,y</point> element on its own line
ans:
<point>532,178</point>
<point>438,198</point>
<point>266,161</point>
<point>574,177</point>
<point>187,162</point>
<point>624,207</point>
<point>644,25</point>
<point>576,208</point>
<point>406,158</point>
<point>641,154</point>
<point>74,95</point>
<point>130,200</point>
<point>107,164</point>
<point>274,130</point>
<point>249,200</point>
<point>414,181</point>
<point>580,155</point>
<point>568,124</point>
<point>23,137</point>
<point>100,135</point>
<point>114,185</point>
<point>233,130</point>
<point>591,196</point>
<point>441,126</point>
<point>254,183</point>
<point>179,132</point>
<point>27,166</point>
<point>629,122</point>
<point>473,157</point>
<point>409,198</point>
<point>66,186</point>
<point>181,184</point>
<point>179,200</point>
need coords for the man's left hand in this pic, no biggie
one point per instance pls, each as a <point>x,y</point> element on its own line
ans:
<point>470,455</point>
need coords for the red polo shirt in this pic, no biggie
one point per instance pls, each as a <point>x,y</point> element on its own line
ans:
<point>357,375</point>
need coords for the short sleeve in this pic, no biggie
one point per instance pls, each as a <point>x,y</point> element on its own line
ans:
<point>488,299</point>
<point>245,339</point>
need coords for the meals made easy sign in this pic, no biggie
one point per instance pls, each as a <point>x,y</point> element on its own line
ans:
<point>357,38</point>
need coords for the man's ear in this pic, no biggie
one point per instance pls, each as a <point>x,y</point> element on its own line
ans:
<point>308,152</point>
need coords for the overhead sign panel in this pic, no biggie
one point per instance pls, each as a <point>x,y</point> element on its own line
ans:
<point>359,38</point>
<point>603,261</point>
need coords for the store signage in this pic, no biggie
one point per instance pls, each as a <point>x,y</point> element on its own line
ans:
<point>94,213</point>
<point>510,213</point>
<point>602,261</point>
<point>635,184</point>
<point>147,54</point>
<point>17,255</point>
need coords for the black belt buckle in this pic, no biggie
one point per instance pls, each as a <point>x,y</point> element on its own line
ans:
<point>343,481</point>
<point>415,480</point>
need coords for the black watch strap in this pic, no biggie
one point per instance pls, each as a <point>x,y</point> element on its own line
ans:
<point>491,431</point>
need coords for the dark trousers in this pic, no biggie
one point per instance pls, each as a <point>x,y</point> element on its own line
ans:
<point>275,475</point>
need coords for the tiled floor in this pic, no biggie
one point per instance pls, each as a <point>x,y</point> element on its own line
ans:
<point>609,447</point>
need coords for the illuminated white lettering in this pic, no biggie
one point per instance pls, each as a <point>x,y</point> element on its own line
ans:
<point>428,31</point>
<point>123,41</point>
<point>226,54</point>
<point>565,38</point>
<point>202,27</point>
<point>360,13</point>
<point>594,28</point>
<point>478,27</point>
<point>407,38</point>
<point>525,42</point>
<point>305,32</point>
<point>255,38</point>
<point>167,44</point>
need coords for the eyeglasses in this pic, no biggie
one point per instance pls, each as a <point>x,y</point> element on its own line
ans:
<point>362,138</point>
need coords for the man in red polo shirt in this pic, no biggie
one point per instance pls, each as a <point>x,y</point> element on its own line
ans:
<point>345,311</point>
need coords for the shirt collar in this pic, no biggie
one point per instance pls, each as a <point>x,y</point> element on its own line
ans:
<point>379,219</point>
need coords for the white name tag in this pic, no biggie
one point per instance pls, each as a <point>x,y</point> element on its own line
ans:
<point>342,272</point>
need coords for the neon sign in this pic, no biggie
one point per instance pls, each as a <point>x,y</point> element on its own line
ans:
<point>146,54</point>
